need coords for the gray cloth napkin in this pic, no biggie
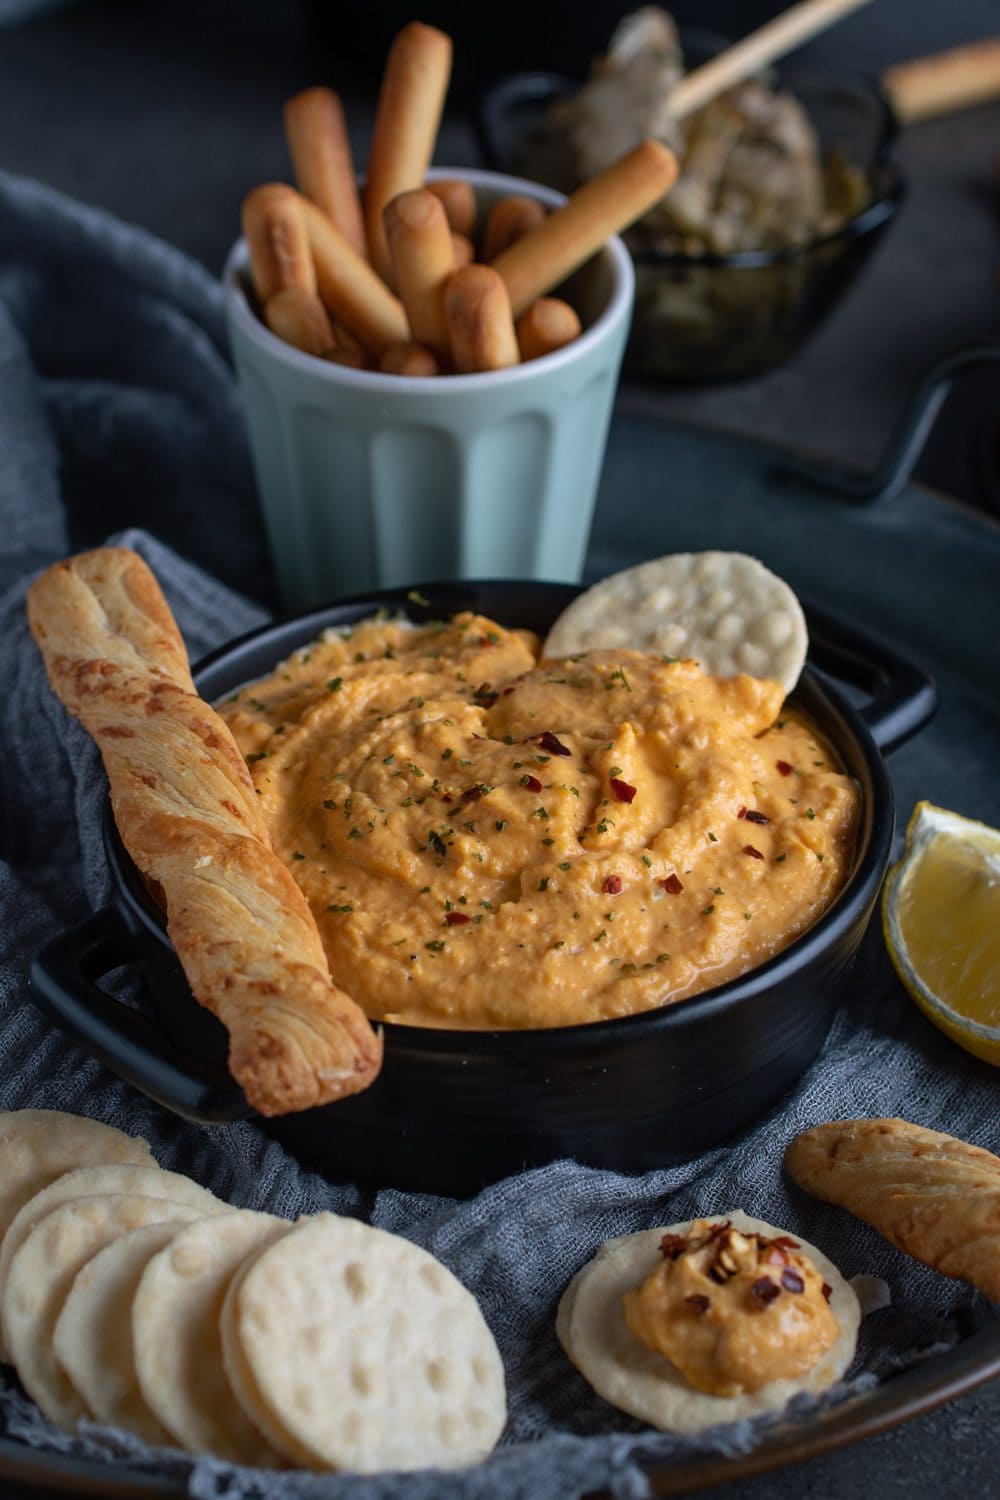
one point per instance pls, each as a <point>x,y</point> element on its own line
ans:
<point>118,407</point>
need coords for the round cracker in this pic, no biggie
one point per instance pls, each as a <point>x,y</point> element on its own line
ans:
<point>92,1338</point>
<point>178,1345</point>
<point>41,1274</point>
<point>364,1351</point>
<point>82,1182</point>
<point>724,610</point>
<point>592,1330</point>
<point>39,1145</point>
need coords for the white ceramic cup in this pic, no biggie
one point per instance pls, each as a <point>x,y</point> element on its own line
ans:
<point>370,480</point>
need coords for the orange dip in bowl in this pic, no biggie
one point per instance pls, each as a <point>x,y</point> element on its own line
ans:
<point>490,841</point>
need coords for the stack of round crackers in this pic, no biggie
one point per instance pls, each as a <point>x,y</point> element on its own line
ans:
<point>131,1296</point>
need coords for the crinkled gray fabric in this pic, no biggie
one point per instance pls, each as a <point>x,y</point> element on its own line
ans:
<point>130,384</point>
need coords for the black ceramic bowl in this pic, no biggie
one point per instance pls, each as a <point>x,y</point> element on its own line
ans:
<point>453,1110</point>
<point>722,317</point>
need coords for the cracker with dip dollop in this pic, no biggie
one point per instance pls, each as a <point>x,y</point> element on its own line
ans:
<point>594,1328</point>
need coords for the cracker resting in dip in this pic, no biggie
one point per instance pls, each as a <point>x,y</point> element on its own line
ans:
<point>489,841</point>
<point>603,1299</point>
<point>723,609</point>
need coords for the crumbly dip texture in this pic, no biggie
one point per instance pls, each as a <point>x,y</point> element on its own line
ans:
<point>733,1311</point>
<point>592,1327</point>
<point>487,842</point>
<point>753,174</point>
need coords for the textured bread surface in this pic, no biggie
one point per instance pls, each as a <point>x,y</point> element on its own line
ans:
<point>187,813</point>
<point>936,1198</point>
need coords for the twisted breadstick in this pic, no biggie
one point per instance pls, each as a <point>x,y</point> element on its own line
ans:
<point>188,814</point>
<point>934,1197</point>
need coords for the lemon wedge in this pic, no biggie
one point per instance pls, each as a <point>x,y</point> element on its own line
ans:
<point>941,920</point>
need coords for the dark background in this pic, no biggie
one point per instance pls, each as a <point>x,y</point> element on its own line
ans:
<point>167,113</point>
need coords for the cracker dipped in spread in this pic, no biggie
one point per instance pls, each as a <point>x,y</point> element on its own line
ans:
<point>492,841</point>
<point>708,1321</point>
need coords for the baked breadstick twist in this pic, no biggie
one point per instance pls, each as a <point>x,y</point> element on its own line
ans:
<point>188,814</point>
<point>934,1197</point>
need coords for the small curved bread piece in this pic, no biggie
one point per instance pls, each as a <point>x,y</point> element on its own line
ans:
<point>187,812</point>
<point>936,1198</point>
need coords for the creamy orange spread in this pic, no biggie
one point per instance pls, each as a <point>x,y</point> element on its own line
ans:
<point>733,1312</point>
<point>490,841</point>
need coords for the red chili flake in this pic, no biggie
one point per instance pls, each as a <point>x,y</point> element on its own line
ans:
<point>784,767</point>
<point>698,1303</point>
<point>471,794</point>
<point>554,746</point>
<point>447,797</point>
<point>742,813</point>
<point>792,1281</point>
<point>485,695</point>
<point>532,783</point>
<point>505,692</point>
<point>672,885</point>
<point>776,1256</point>
<point>612,885</point>
<point>827,1290</point>
<point>757,817</point>
<point>672,1245</point>
<point>753,853</point>
<point>457,918</point>
<point>785,1241</point>
<point>764,1290</point>
<point>623,792</point>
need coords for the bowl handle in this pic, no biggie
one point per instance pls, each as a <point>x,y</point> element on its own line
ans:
<point>903,697</point>
<point>63,980</point>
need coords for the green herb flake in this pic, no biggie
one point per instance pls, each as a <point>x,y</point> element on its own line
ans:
<point>779,858</point>
<point>435,945</point>
<point>335,684</point>
<point>647,861</point>
<point>257,755</point>
<point>500,824</point>
<point>566,865</point>
<point>416,597</point>
<point>387,760</point>
<point>707,912</point>
<point>414,770</point>
<point>298,854</point>
<point>712,837</point>
<point>810,814</point>
<point>543,884</point>
<point>447,754</point>
<point>436,842</point>
<point>344,908</point>
<point>355,833</point>
<point>330,805</point>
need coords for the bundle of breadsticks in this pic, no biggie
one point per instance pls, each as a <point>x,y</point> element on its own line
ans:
<point>404,280</point>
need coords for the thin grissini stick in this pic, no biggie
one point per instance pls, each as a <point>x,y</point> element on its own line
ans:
<point>423,258</point>
<point>480,325</point>
<point>320,149</point>
<point>406,125</point>
<point>463,249</point>
<point>571,234</point>
<point>952,80</point>
<point>300,319</point>
<point>765,45</point>
<point>459,203</point>
<point>347,351</point>
<point>508,221</point>
<point>351,290</point>
<point>409,359</point>
<point>548,324</point>
<point>275,232</point>
<point>188,814</point>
